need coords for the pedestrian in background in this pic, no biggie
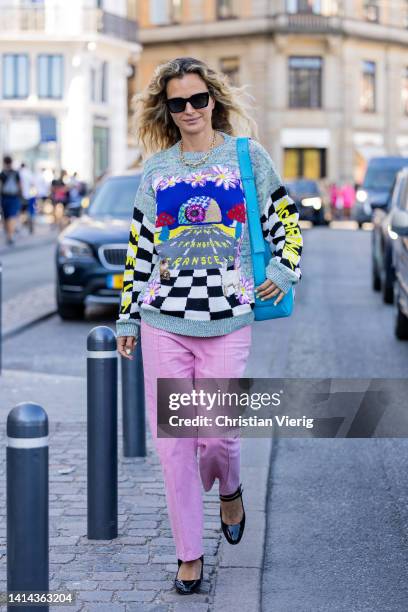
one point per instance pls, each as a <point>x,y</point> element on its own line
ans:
<point>188,279</point>
<point>10,198</point>
<point>349,198</point>
<point>332,198</point>
<point>29,193</point>
<point>59,196</point>
<point>339,203</point>
<point>43,186</point>
<point>75,189</point>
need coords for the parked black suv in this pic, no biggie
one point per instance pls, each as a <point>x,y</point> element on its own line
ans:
<point>91,251</point>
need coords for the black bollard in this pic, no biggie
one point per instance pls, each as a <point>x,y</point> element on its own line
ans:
<point>102,431</point>
<point>133,405</point>
<point>27,501</point>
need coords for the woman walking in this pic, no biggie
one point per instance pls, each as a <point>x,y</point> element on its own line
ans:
<point>188,281</point>
<point>10,198</point>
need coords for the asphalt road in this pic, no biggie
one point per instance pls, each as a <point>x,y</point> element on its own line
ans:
<point>337,533</point>
<point>337,509</point>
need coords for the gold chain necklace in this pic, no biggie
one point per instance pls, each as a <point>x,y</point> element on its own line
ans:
<point>200,161</point>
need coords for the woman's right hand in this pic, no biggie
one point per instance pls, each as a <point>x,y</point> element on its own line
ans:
<point>125,343</point>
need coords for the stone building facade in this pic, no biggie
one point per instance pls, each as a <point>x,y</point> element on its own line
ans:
<point>330,77</point>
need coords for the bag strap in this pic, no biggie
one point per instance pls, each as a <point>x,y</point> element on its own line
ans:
<point>255,229</point>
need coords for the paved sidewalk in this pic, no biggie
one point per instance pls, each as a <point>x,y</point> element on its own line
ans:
<point>16,315</point>
<point>135,571</point>
<point>44,232</point>
<point>41,299</point>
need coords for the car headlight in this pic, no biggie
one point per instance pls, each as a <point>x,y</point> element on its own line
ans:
<point>69,248</point>
<point>393,235</point>
<point>315,202</point>
<point>361,195</point>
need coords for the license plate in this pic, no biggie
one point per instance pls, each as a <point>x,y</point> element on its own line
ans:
<point>114,281</point>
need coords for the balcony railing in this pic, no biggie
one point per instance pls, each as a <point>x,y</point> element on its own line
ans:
<point>307,22</point>
<point>66,21</point>
<point>118,27</point>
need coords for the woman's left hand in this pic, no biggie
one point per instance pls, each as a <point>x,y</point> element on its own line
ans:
<point>268,290</point>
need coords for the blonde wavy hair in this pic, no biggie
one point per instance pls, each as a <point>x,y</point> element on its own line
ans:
<point>153,125</point>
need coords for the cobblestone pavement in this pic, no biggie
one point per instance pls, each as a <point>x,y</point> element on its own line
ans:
<point>134,571</point>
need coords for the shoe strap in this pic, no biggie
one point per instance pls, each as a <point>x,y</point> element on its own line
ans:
<point>180,561</point>
<point>232,496</point>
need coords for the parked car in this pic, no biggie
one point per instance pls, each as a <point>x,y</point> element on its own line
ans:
<point>381,244</point>
<point>376,186</point>
<point>91,251</point>
<point>309,200</point>
<point>399,225</point>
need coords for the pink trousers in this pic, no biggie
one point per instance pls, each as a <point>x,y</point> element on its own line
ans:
<point>167,355</point>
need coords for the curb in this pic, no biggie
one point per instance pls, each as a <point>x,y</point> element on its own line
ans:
<point>6,250</point>
<point>239,573</point>
<point>14,331</point>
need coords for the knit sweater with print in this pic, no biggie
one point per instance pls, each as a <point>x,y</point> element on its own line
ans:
<point>188,266</point>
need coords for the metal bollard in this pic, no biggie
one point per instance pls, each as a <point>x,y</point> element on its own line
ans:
<point>133,405</point>
<point>102,431</point>
<point>27,501</point>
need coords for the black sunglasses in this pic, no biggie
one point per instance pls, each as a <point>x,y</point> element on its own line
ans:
<point>198,100</point>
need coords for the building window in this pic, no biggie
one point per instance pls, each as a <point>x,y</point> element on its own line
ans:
<point>132,10</point>
<point>175,11</point>
<point>367,100</point>
<point>305,82</point>
<point>371,11</point>
<point>303,6</point>
<point>404,91</point>
<point>165,12</point>
<point>316,7</point>
<point>50,76</point>
<point>15,75</point>
<point>230,67</point>
<point>225,9</point>
<point>306,163</point>
<point>99,83</point>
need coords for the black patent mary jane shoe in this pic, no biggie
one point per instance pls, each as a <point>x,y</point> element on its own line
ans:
<point>185,587</point>
<point>233,533</point>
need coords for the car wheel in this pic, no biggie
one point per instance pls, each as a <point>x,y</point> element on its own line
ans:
<point>70,312</point>
<point>401,325</point>
<point>387,291</point>
<point>388,278</point>
<point>376,280</point>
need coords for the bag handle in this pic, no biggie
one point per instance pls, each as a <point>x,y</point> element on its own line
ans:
<point>255,229</point>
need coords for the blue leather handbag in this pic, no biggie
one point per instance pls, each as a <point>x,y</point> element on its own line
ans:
<point>260,249</point>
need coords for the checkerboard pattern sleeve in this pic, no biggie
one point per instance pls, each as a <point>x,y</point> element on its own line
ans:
<point>139,263</point>
<point>280,227</point>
